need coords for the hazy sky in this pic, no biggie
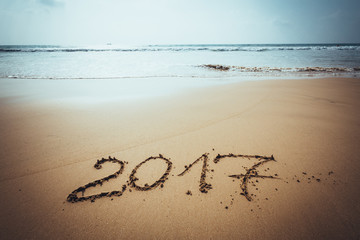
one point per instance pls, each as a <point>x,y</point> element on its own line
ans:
<point>134,22</point>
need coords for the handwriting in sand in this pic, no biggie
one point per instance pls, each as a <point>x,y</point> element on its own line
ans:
<point>204,186</point>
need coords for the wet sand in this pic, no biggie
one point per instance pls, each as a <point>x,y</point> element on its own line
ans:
<point>275,159</point>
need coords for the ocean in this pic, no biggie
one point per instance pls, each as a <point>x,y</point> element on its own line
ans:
<point>226,62</point>
<point>105,73</point>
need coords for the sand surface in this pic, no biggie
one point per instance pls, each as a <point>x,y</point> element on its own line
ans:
<point>311,127</point>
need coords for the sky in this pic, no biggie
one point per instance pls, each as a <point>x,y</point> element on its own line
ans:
<point>139,22</point>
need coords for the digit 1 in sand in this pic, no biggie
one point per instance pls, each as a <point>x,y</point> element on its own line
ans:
<point>203,187</point>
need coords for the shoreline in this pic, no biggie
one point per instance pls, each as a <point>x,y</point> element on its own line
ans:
<point>100,91</point>
<point>311,127</point>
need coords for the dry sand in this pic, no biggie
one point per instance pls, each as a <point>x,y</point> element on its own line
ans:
<point>311,127</point>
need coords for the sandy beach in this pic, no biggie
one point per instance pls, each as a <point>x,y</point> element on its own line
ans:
<point>299,180</point>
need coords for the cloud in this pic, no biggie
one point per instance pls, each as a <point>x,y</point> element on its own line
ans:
<point>52,3</point>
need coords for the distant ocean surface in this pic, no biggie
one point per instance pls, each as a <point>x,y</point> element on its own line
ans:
<point>236,61</point>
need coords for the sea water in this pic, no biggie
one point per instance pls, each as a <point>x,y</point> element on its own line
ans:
<point>169,67</point>
<point>63,62</point>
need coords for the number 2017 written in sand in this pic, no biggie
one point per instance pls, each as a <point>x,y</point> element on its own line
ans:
<point>204,186</point>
